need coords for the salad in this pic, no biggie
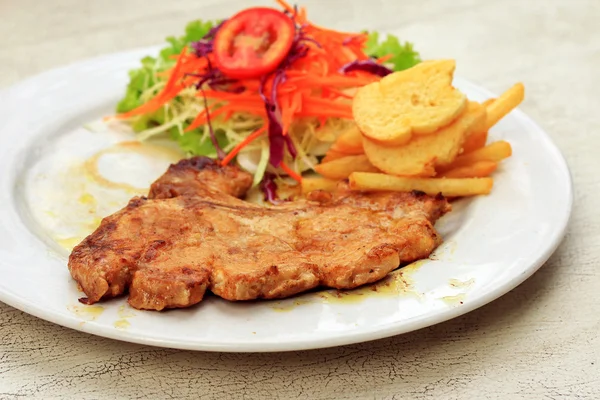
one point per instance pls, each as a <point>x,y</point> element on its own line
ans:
<point>265,88</point>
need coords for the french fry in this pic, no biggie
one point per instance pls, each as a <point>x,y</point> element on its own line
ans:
<point>477,136</point>
<point>495,152</point>
<point>474,141</point>
<point>312,183</point>
<point>448,187</point>
<point>349,142</point>
<point>504,104</point>
<point>487,102</point>
<point>332,155</point>
<point>479,169</point>
<point>343,167</point>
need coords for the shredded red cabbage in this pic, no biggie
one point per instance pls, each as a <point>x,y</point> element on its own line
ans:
<point>204,46</point>
<point>213,138</point>
<point>366,65</point>
<point>290,146</point>
<point>275,128</point>
<point>269,188</point>
<point>277,140</point>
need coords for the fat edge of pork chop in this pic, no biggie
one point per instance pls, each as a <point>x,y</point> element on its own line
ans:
<point>192,234</point>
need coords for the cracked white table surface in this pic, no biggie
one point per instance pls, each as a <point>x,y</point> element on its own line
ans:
<point>539,341</point>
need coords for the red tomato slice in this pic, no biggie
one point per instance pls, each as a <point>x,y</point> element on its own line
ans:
<point>253,42</point>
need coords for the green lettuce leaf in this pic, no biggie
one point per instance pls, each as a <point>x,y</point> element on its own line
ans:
<point>404,57</point>
<point>192,143</point>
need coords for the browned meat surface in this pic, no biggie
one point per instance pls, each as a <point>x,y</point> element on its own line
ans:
<point>193,234</point>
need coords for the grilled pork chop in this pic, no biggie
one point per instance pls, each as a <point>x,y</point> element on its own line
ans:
<point>193,233</point>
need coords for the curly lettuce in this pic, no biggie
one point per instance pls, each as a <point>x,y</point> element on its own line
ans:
<point>404,55</point>
<point>144,78</point>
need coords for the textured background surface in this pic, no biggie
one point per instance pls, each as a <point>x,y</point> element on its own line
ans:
<point>538,342</point>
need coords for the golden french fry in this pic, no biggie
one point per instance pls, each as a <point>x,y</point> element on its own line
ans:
<point>424,152</point>
<point>474,141</point>
<point>477,137</point>
<point>342,167</point>
<point>475,170</point>
<point>487,102</point>
<point>349,142</point>
<point>312,183</point>
<point>332,155</point>
<point>504,104</point>
<point>495,152</point>
<point>448,187</point>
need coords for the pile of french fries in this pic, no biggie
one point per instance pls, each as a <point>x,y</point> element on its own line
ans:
<point>429,137</point>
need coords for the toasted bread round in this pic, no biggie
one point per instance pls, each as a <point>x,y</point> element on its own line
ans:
<point>419,100</point>
<point>423,153</point>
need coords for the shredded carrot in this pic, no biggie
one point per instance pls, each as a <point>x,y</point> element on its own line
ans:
<point>228,114</point>
<point>334,80</point>
<point>287,113</point>
<point>339,93</point>
<point>322,122</point>
<point>176,70</point>
<point>302,13</point>
<point>202,117</point>
<point>243,144</point>
<point>385,58</point>
<point>169,92</point>
<point>293,174</point>
<point>287,7</point>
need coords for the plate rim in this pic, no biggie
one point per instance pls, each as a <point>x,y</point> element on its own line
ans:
<point>416,323</point>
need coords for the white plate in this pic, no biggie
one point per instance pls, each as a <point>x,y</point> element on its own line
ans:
<point>492,243</point>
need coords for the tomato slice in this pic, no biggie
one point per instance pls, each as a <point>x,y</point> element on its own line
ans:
<point>253,42</point>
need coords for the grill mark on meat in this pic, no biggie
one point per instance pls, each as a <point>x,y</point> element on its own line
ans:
<point>193,233</point>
